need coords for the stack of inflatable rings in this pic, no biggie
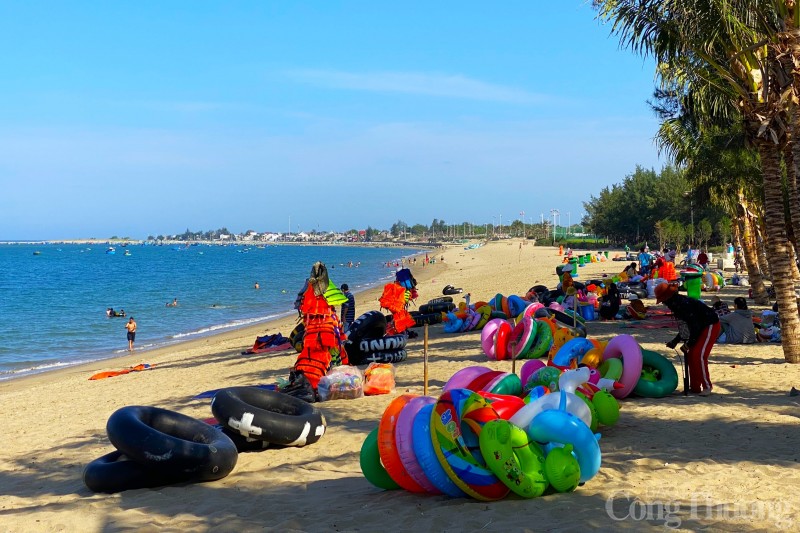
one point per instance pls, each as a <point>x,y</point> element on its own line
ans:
<point>367,341</point>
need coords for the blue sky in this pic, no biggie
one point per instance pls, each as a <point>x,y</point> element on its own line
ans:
<point>151,117</point>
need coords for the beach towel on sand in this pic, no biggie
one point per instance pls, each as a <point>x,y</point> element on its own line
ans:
<point>113,373</point>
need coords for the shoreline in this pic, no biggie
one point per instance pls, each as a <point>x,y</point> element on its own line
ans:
<point>725,462</point>
<point>173,340</point>
<point>224,340</point>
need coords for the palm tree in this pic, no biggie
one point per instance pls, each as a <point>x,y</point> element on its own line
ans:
<point>719,49</point>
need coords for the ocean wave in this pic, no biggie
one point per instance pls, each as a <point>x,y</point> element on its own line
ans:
<point>228,325</point>
<point>17,372</point>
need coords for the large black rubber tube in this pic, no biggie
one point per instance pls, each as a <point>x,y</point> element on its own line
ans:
<point>442,307</point>
<point>268,415</point>
<point>370,325</point>
<point>393,356</point>
<point>114,472</point>
<point>383,344</point>
<point>422,319</point>
<point>174,443</point>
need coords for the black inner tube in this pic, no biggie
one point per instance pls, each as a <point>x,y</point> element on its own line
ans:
<point>173,442</point>
<point>268,415</point>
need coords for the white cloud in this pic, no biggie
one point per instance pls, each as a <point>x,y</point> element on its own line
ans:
<point>443,85</point>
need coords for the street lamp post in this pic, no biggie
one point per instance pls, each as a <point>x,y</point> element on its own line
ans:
<point>554,212</point>
<point>569,223</point>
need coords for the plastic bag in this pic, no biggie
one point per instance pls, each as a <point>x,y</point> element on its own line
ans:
<point>341,383</point>
<point>379,379</point>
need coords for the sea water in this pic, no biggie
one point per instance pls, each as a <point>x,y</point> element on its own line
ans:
<point>53,297</point>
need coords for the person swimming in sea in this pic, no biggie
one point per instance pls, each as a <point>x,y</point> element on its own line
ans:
<point>174,303</point>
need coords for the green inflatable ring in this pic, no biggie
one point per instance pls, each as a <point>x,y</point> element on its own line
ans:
<point>371,466</point>
<point>542,340</point>
<point>516,460</point>
<point>592,410</point>
<point>607,408</point>
<point>611,368</point>
<point>667,376</point>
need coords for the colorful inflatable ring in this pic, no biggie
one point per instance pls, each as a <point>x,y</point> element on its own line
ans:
<point>530,309</point>
<point>522,337</point>
<point>528,368</point>
<point>387,445</point>
<point>507,383</point>
<point>505,405</point>
<point>488,334</point>
<point>486,314</point>
<point>501,338</point>
<point>611,369</point>
<point>516,305</point>
<point>667,376</point>
<point>607,407</point>
<point>456,444</point>
<point>405,447</point>
<point>514,458</point>
<point>482,382</point>
<point>371,466</point>
<point>560,426</point>
<point>462,378</point>
<point>592,410</point>
<point>497,302</point>
<point>426,456</point>
<point>453,324</point>
<point>626,348</point>
<point>542,340</point>
<point>594,357</point>
<point>571,352</point>
<point>475,317</point>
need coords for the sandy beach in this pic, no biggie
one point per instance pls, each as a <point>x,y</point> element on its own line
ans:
<point>727,462</point>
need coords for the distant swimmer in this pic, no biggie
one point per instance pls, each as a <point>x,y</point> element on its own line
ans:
<point>256,286</point>
<point>174,303</point>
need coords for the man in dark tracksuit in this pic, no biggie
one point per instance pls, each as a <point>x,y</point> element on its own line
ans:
<point>703,327</point>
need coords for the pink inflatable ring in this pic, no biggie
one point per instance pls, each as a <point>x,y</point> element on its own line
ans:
<point>626,348</point>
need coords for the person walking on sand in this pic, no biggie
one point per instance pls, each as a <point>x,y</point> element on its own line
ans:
<point>131,327</point>
<point>698,327</point>
<point>348,308</point>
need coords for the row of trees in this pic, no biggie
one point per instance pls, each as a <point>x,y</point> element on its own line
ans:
<point>658,207</point>
<point>727,95</point>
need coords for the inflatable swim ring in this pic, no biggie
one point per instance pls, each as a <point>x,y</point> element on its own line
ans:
<point>405,447</point>
<point>521,339</point>
<point>626,348</point>
<point>667,380</point>
<point>462,378</point>
<point>426,456</point>
<point>514,458</point>
<point>387,445</point>
<point>371,467</point>
<point>456,445</point>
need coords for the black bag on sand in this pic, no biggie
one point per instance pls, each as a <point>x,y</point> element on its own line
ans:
<point>299,387</point>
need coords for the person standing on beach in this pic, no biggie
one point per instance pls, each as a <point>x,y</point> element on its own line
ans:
<point>698,327</point>
<point>131,327</point>
<point>348,308</point>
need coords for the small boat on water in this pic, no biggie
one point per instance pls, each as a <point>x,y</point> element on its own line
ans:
<point>111,250</point>
<point>37,252</point>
